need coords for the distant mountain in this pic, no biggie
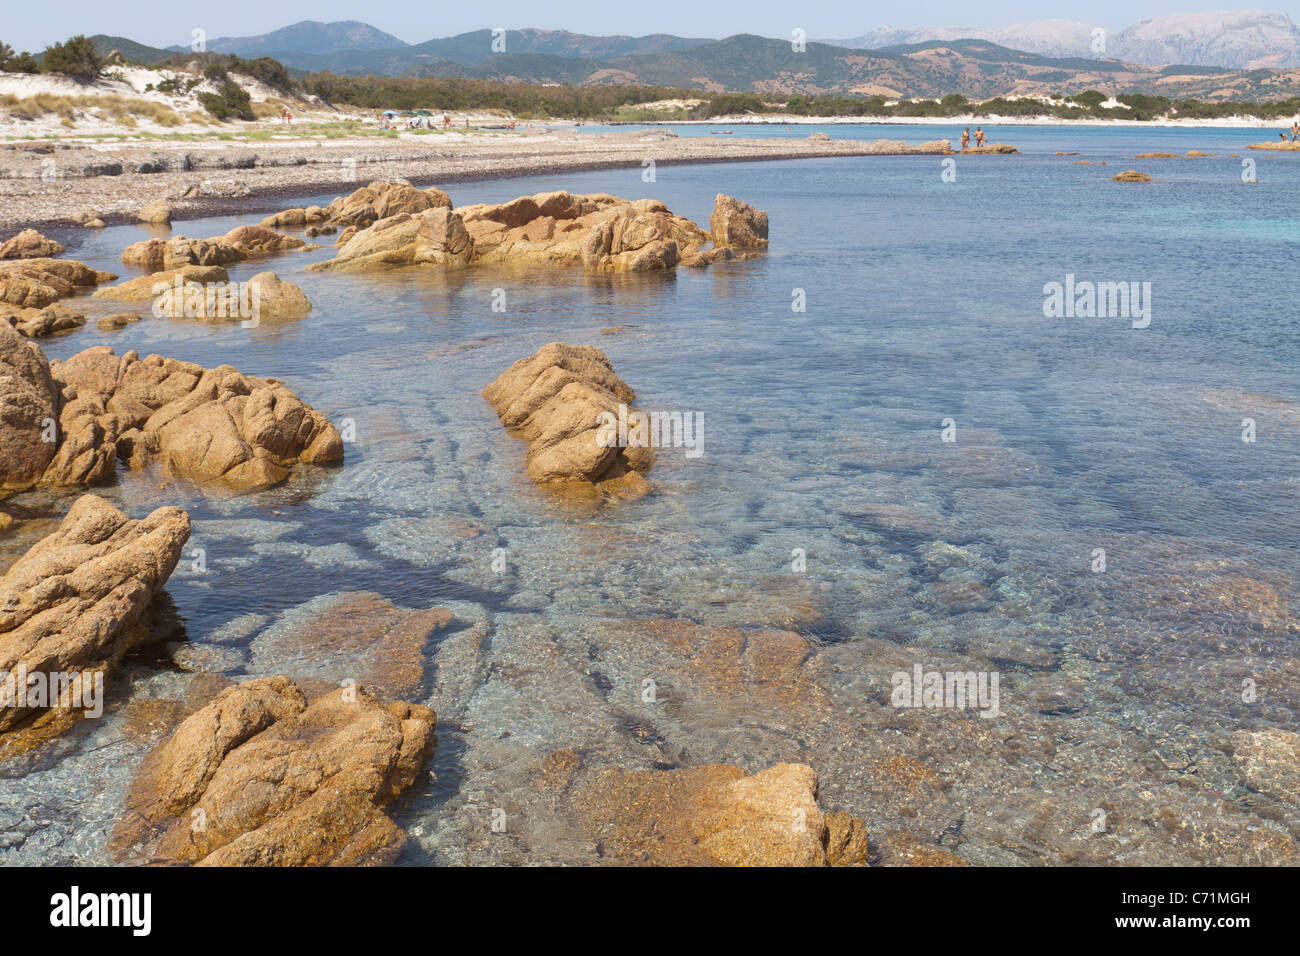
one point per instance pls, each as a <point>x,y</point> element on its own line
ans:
<point>1238,39</point>
<point>1246,39</point>
<point>1062,38</point>
<point>975,68</point>
<point>309,37</point>
<point>130,50</point>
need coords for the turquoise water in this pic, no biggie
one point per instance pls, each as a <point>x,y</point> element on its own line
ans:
<point>823,435</point>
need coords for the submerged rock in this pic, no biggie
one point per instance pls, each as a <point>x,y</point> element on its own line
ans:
<point>72,603</point>
<point>556,400</point>
<point>1131,176</point>
<point>260,777</point>
<point>1269,761</point>
<point>30,244</point>
<point>715,815</point>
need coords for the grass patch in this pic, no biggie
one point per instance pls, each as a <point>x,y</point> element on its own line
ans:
<point>120,109</point>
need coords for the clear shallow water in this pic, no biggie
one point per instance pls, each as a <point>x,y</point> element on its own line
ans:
<point>822,433</point>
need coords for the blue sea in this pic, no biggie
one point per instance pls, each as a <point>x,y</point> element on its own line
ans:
<point>906,462</point>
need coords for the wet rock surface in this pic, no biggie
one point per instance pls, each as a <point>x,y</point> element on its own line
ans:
<point>206,425</point>
<point>599,232</point>
<point>263,777</point>
<point>36,283</point>
<point>555,400</point>
<point>72,605</point>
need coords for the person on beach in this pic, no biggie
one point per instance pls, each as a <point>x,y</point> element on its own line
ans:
<point>965,138</point>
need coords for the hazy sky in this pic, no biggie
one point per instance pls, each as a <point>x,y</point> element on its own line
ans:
<point>27,25</point>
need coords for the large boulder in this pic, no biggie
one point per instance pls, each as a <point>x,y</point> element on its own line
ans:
<point>69,424</point>
<point>380,199</point>
<point>266,296</point>
<point>560,401</point>
<point>262,777</point>
<point>601,233</point>
<point>259,241</point>
<point>435,236</point>
<point>206,425</point>
<point>715,815</point>
<point>28,411</point>
<point>737,225</point>
<point>30,244</point>
<point>159,254</point>
<point>36,283</point>
<point>277,299</point>
<point>156,213</point>
<point>71,606</point>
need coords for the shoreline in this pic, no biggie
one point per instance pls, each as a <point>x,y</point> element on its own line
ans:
<point>270,173</point>
<point>1233,123</point>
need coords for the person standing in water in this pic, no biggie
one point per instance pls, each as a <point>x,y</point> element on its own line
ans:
<point>1295,131</point>
<point>979,135</point>
<point>965,138</point>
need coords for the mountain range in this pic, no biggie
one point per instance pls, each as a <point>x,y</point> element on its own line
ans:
<point>974,67</point>
<point>1238,39</point>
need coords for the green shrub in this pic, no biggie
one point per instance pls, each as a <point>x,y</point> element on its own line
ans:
<point>77,58</point>
<point>231,102</point>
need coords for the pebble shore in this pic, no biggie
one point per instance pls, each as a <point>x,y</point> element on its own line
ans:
<point>51,184</point>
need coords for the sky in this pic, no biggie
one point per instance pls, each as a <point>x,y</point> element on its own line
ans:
<point>25,25</point>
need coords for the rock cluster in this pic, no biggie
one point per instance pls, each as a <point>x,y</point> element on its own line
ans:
<point>599,232</point>
<point>38,323</point>
<point>262,777</point>
<point>72,605</point>
<point>365,206</point>
<point>69,423</point>
<point>241,243</point>
<point>555,400</point>
<point>36,283</point>
<point>1131,176</point>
